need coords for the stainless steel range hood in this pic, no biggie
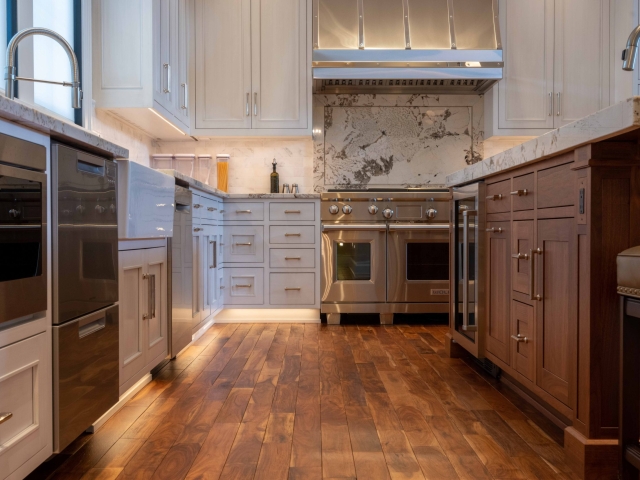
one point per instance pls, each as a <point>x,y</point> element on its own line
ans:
<point>438,46</point>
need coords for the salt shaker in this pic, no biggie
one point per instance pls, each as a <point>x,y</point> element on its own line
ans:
<point>285,188</point>
<point>294,188</point>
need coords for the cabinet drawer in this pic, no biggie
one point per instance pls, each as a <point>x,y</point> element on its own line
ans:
<point>292,258</point>
<point>292,288</point>
<point>198,206</point>
<point>292,234</point>
<point>521,246</point>
<point>556,187</point>
<point>25,383</point>
<point>211,209</point>
<point>243,244</point>
<point>524,198</point>
<point>498,197</point>
<point>292,211</point>
<point>243,286</point>
<point>523,350</point>
<point>243,211</point>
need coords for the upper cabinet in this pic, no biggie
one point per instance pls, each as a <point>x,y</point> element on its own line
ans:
<point>140,63</point>
<point>204,67</point>
<point>557,65</point>
<point>252,68</point>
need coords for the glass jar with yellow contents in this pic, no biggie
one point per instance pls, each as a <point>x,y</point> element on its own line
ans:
<point>223,172</point>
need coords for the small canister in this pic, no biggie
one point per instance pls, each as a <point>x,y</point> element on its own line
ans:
<point>223,171</point>
<point>162,161</point>
<point>184,163</point>
<point>204,168</point>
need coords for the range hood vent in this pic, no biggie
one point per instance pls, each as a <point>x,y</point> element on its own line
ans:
<point>456,41</point>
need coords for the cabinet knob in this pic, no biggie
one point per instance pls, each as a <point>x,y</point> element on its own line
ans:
<point>519,338</point>
<point>495,230</point>
<point>520,193</point>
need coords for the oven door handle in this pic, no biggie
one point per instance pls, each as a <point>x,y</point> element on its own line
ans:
<point>465,271</point>
<point>414,226</point>
<point>358,227</point>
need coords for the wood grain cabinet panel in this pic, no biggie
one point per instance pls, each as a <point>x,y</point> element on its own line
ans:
<point>523,345</point>
<point>498,198</point>
<point>556,187</point>
<point>556,284</point>
<point>498,306</point>
<point>522,243</point>
<point>522,193</point>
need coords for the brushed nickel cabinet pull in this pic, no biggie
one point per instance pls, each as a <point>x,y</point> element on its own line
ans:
<point>519,338</point>
<point>293,258</point>
<point>495,230</point>
<point>292,211</point>
<point>292,234</point>
<point>559,106</point>
<point>255,104</point>
<point>185,96</point>
<point>167,71</point>
<point>550,104</point>
<point>292,288</point>
<point>520,256</point>
<point>197,205</point>
<point>248,101</point>
<point>521,193</point>
<point>495,197</point>
<point>243,286</point>
<point>152,296</point>
<point>197,229</point>
<point>532,274</point>
<point>247,244</point>
<point>5,417</point>
<point>243,211</point>
<point>212,209</point>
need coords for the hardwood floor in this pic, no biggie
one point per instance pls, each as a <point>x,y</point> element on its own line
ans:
<point>315,401</point>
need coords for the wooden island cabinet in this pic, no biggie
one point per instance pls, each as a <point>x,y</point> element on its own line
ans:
<point>554,229</point>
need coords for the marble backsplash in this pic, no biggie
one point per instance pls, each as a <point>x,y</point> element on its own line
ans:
<point>394,140</point>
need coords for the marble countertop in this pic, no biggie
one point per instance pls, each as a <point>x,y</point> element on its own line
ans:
<point>58,129</point>
<point>219,193</point>
<point>618,118</point>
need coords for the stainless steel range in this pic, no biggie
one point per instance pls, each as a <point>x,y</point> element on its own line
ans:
<point>385,251</point>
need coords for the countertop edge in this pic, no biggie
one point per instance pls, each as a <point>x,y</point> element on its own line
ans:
<point>616,119</point>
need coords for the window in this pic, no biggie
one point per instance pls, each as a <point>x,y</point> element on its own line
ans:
<point>42,57</point>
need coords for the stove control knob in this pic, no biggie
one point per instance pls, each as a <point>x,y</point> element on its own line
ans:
<point>387,213</point>
<point>347,209</point>
<point>431,213</point>
<point>333,209</point>
<point>373,209</point>
<point>14,213</point>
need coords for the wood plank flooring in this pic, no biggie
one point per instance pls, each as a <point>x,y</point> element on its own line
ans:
<point>293,401</point>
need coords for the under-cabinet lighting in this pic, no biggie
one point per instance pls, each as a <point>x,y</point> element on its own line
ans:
<point>165,120</point>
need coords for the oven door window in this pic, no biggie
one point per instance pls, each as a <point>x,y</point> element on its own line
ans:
<point>353,261</point>
<point>428,261</point>
<point>20,228</point>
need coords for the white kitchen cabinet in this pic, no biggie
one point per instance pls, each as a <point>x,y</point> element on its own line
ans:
<point>143,312</point>
<point>557,65</point>
<point>25,383</point>
<point>252,68</point>
<point>140,66</point>
<point>206,289</point>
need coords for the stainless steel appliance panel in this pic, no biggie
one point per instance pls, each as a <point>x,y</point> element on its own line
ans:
<point>23,229</point>
<point>85,373</point>
<point>418,263</point>
<point>181,271</point>
<point>354,266</point>
<point>85,233</point>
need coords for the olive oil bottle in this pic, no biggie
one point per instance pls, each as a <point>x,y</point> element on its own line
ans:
<point>275,179</point>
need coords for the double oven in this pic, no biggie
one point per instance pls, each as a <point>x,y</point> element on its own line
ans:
<point>385,251</point>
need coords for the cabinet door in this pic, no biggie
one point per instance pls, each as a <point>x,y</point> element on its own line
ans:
<point>556,284</point>
<point>165,13</point>
<point>133,306</point>
<point>522,240</point>
<point>581,71</point>
<point>499,298</point>
<point>156,284</point>
<point>279,63</point>
<point>523,344</point>
<point>525,91</point>
<point>223,63</point>
<point>182,63</point>
<point>205,264</point>
<point>198,280</point>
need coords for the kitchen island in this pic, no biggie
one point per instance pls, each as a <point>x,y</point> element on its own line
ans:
<point>559,209</point>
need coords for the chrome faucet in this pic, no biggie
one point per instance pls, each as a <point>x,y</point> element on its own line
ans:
<point>631,52</point>
<point>10,74</point>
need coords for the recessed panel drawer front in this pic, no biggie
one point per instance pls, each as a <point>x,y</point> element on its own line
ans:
<point>556,187</point>
<point>243,244</point>
<point>243,211</point>
<point>522,193</point>
<point>498,196</point>
<point>25,385</point>
<point>295,211</point>
<point>211,209</point>
<point>198,209</point>
<point>292,289</point>
<point>523,347</point>
<point>292,234</point>
<point>243,286</point>
<point>292,258</point>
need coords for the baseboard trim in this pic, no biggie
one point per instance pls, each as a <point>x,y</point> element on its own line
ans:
<point>201,331</point>
<point>124,398</point>
<point>267,315</point>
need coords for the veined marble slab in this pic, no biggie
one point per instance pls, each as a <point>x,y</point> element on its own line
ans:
<point>58,129</point>
<point>219,193</point>
<point>616,119</point>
